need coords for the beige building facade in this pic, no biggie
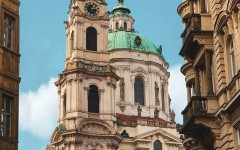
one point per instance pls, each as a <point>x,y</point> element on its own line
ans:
<point>9,74</point>
<point>211,66</point>
<point>113,93</point>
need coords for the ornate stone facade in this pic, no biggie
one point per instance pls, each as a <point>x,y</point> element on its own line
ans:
<point>113,93</point>
<point>9,74</point>
<point>211,66</point>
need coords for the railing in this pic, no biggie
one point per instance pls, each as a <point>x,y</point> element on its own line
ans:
<point>194,24</point>
<point>90,67</point>
<point>196,107</point>
<point>143,122</point>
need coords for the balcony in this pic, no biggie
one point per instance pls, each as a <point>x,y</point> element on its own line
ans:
<point>198,32</point>
<point>197,107</point>
<point>194,24</point>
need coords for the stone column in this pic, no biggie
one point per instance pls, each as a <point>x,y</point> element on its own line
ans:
<point>208,64</point>
<point>197,84</point>
<point>189,95</point>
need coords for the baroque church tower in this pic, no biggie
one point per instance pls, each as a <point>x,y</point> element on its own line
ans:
<point>86,88</point>
<point>113,93</point>
<point>9,74</point>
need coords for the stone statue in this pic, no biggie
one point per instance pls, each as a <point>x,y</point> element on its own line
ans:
<point>156,113</point>
<point>172,116</point>
<point>122,86</point>
<point>139,109</point>
<point>124,134</point>
<point>156,92</point>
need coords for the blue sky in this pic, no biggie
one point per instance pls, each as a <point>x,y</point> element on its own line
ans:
<point>43,55</point>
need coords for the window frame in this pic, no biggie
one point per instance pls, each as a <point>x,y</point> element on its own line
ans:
<point>94,101</point>
<point>238,133</point>
<point>6,32</point>
<point>155,142</point>
<point>125,26</point>
<point>141,93</point>
<point>232,57</point>
<point>163,97</point>
<point>4,114</point>
<point>117,25</point>
<point>72,40</point>
<point>91,39</point>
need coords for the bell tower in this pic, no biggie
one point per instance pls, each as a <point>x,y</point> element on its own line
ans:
<point>86,88</point>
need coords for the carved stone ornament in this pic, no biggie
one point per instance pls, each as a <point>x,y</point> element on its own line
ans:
<point>94,128</point>
<point>122,91</point>
<point>156,113</point>
<point>122,107</point>
<point>156,92</point>
<point>139,109</point>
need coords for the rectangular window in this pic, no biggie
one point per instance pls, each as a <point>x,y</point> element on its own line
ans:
<point>5,129</point>
<point>8,32</point>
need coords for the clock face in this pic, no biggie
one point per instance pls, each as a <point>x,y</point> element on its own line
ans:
<point>91,8</point>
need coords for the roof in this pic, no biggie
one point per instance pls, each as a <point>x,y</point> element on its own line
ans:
<point>132,41</point>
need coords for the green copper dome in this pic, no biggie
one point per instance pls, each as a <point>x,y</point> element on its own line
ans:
<point>132,41</point>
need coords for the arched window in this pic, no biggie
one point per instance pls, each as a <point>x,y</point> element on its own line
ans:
<point>139,91</point>
<point>125,26</point>
<point>157,145</point>
<point>72,40</point>
<point>231,54</point>
<point>93,99</point>
<point>117,26</point>
<point>91,39</point>
<point>163,98</point>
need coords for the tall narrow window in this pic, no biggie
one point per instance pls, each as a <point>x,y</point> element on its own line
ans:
<point>125,26</point>
<point>93,99</point>
<point>157,145</point>
<point>64,104</point>
<point>163,98</point>
<point>72,40</point>
<point>232,57</point>
<point>203,6</point>
<point>117,26</point>
<point>139,91</point>
<point>5,129</point>
<point>91,39</point>
<point>8,32</point>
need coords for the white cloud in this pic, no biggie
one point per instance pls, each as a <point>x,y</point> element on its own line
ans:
<point>177,91</point>
<point>38,110</point>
